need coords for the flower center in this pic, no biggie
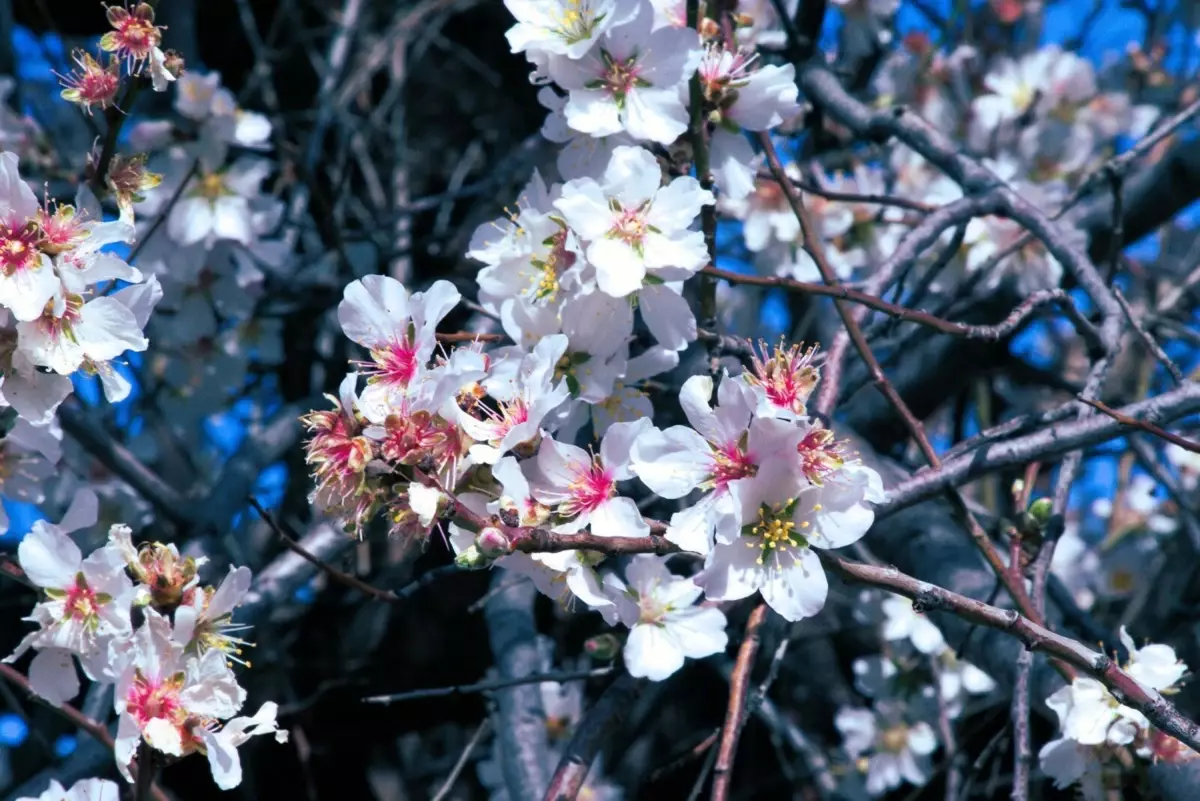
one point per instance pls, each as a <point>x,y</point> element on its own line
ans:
<point>619,77</point>
<point>576,21</point>
<point>593,485</point>
<point>211,186</point>
<point>57,327</point>
<point>775,532</point>
<point>420,439</point>
<point>895,739</point>
<point>19,247</point>
<point>62,230</point>
<point>730,463</point>
<point>788,377</point>
<point>149,699</point>
<point>820,455</point>
<point>395,363</point>
<point>650,609</point>
<point>81,602</point>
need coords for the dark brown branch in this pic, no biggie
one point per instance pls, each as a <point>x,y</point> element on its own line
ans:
<point>597,727</point>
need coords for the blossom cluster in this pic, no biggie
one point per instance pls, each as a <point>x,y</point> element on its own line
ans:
<point>1097,731</point>
<point>490,436</point>
<point>138,618</point>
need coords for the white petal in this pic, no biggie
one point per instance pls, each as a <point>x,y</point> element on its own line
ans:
<point>223,760</point>
<point>617,444</point>
<point>49,557</point>
<point>52,676</point>
<point>650,653</point>
<point>730,572</point>
<point>668,316</point>
<point>699,631</point>
<point>673,462</point>
<point>618,517</point>
<point>632,176</point>
<point>921,739</point>
<point>796,590</point>
<point>619,270</point>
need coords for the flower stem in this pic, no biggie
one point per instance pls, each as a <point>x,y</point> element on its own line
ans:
<point>147,770</point>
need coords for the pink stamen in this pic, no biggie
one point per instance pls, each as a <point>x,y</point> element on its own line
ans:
<point>593,485</point>
<point>730,463</point>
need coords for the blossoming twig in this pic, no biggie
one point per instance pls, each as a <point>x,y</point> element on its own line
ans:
<point>77,718</point>
<point>929,597</point>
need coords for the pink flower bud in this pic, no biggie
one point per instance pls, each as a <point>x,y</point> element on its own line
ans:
<point>492,542</point>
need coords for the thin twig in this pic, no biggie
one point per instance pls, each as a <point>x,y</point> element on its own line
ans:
<point>165,213</point>
<point>952,756</point>
<point>1150,342</point>
<point>990,333</point>
<point>457,770</point>
<point>337,575</point>
<point>489,686</point>
<point>1143,425</point>
<point>736,710</point>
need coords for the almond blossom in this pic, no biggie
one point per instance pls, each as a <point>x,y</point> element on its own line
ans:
<point>1154,666</point>
<point>631,81</point>
<point>86,607</point>
<point>378,313</point>
<point>169,699</point>
<point>581,488</point>
<point>565,27</point>
<point>633,224</point>
<point>665,625</point>
<point>779,529</point>
<point>723,449</point>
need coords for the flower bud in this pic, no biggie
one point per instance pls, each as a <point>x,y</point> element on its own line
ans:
<point>602,647</point>
<point>472,559</point>
<point>492,542</point>
<point>1041,510</point>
